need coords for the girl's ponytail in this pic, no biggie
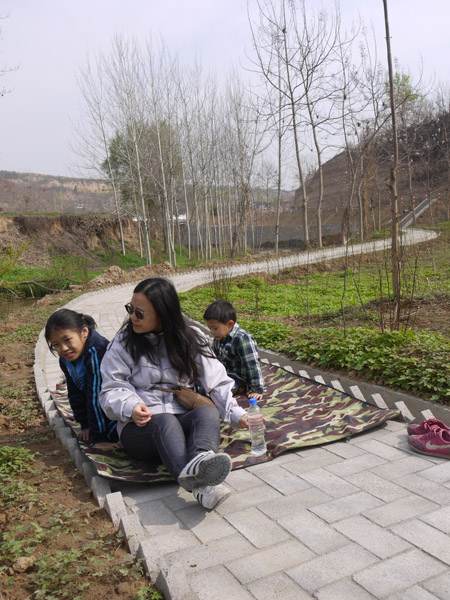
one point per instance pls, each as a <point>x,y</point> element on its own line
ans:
<point>89,322</point>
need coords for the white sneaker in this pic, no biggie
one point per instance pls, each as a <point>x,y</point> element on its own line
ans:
<point>211,496</point>
<point>207,468</point>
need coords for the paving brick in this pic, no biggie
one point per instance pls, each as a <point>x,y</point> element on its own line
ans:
<point>155,517</point>
<point>312,460</point>
<point>425,537</point>
<point>413,593</point>
<point>217,583</point>
<point>282,480</point>
<point>345,507</point>
<point>424,487</point>
<point>345,450</point>
<point>377,486</point>
<point>345,589</point>
<point>398,468</point>
<point>319,572</point>
<point>137,494</point>
<point>440,519</point>
<point>277,587</point>
<point>400,510</point>
<point>395,425</point>
<point>173,585</point>
<point>355,465</point>
<point>396,439</point>
<point>293,503</point>
<point>257,527</point>
<point>242,479</point>
<point>155,548</point>
<point>399,573</point>
<point>380,449</point>
<point>281,460</point>
<point>247,498</point>
<point>374,538</point>
<point>273,559</point>
<point>312,531</point>
<point>217,552</point>
<point>182,499</point>
<point>329,483</point>
<point>439,586</point>
<point>440,473</point>
<point>206,526</point>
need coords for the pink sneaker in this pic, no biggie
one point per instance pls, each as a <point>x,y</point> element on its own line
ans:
<point>426,427</point>
<point>435,443</point>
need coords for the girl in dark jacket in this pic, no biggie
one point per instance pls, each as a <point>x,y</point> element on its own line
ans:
<point>72,336</point>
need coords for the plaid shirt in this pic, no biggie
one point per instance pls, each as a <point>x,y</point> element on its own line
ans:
<point>239,353</point>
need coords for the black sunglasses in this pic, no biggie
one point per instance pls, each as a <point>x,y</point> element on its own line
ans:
<point>140,314</point>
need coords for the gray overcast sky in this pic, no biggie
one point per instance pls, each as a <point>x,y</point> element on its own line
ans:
<point>49,39</point>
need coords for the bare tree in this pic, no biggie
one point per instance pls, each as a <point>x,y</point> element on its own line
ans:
<point>92,132</point>
<point>442,108</point>
<point>124,68</point>
<point>277,51</point>
<point>395,242</point>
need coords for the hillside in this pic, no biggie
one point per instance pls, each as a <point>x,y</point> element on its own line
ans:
<point>423,172</point>
<point>33,192</point>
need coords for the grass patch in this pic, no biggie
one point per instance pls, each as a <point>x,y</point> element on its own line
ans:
<point>131,260</point>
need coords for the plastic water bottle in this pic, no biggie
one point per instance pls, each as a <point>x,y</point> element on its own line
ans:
<point>256,428</point>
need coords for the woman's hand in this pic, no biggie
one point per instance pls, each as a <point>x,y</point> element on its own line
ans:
<point>141,415</point>
<point>243,421</point>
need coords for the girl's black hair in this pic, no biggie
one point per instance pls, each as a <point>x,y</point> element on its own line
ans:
<point>64,318</point>
<point>182,342</point>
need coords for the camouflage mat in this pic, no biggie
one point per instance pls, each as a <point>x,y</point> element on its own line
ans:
<point>300,412</point>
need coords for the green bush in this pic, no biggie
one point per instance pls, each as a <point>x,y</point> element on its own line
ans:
<point>416,361</point>
<point>268,334</point>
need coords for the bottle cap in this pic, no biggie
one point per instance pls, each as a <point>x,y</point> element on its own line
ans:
<point>252,401</point>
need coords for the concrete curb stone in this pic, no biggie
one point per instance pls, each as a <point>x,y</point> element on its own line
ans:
<point>115,507</point>
<point>133,532</point>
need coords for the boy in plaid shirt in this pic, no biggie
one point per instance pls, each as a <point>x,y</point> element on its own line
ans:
<point>236,349</point>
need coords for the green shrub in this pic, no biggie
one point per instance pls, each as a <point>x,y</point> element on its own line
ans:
<point>416,361</point>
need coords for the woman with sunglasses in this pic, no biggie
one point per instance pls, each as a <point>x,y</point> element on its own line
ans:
<point>156,347</point>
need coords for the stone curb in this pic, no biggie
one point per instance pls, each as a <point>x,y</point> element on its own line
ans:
<point>133,532</point>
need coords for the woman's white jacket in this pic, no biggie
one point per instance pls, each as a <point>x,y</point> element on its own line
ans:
<point>126,383</point>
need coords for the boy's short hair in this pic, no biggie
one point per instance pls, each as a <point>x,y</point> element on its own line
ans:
<point>221,311</point>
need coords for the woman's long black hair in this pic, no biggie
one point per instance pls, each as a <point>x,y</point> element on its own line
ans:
<point>182,342</point>
<point>64,318</point>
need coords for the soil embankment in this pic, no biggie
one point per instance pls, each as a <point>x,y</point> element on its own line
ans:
<point>71,235</point>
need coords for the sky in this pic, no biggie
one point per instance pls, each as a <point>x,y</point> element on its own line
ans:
<point>49,40</point>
